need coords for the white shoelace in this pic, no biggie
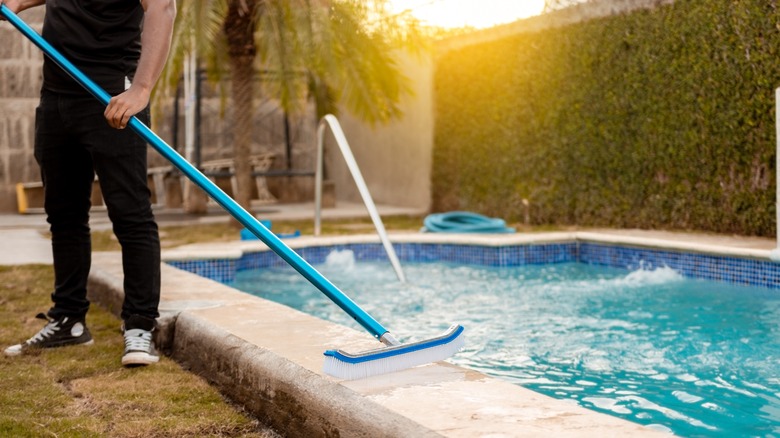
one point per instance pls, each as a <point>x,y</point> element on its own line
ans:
<point>138,340</point>
<point>47,330</point>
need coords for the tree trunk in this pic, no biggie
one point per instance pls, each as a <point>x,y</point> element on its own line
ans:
<point>242,92</point>
<point>195,199</point>
<point>239,29</point>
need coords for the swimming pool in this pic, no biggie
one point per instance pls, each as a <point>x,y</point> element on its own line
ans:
<point>696,357</point>
<point>644,345</point>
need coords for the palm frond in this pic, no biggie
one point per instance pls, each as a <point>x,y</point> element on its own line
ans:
<point>330,52</point>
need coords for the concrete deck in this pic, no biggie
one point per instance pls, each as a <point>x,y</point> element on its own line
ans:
<point>269,357</point>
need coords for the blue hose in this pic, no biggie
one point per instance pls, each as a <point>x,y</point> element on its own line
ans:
<point>464,222</point>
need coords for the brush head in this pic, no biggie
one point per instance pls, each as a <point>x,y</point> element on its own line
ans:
<point>348,366</point>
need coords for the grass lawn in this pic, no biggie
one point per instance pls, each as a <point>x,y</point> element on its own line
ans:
<point>84,390</point>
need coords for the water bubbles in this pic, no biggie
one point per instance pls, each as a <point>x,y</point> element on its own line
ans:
<point>685,397</point>
<point>713,407</point>
<point>687,378</point>
<point>340,260</point>
<point>646,277</point>
<point>607,404</point>
<point>660,428</point>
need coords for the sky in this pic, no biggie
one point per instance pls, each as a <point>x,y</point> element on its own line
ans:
<point>475,13</point>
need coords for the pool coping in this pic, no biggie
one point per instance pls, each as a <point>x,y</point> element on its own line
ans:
<point>237,249</point>
<point>268,357</point>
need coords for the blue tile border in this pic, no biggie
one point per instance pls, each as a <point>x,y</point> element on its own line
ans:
<point>736,270</point>
<point>744,271</point>
<point>221,270</point>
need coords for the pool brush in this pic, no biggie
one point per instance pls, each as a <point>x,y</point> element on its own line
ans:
<point>394,357</point>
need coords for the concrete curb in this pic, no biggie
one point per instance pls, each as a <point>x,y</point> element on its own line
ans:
<point>286,396</point>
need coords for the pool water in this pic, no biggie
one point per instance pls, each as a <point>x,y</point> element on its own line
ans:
<point>696,358</point>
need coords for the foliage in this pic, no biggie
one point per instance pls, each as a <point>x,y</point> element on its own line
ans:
<point>340,52</point>
<point>661,118</point>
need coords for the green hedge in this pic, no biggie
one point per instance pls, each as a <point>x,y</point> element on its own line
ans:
<point>661,119</point>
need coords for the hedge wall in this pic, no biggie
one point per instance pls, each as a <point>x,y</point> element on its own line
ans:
<point>660,119</point>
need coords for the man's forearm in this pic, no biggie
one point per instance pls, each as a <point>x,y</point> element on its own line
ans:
<point>155,44</point>
<point>31,3</point>
<point>19,5</point>
<point>155,41</point>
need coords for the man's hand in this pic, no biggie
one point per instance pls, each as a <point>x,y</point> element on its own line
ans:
<point>17,6</point>
<point>125,105</point>
<point>14,5</point>
<point>155,43</point>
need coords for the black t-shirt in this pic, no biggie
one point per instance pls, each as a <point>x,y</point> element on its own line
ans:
<point>101,37</point>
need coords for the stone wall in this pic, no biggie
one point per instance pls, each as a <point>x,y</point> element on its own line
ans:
<point>20,83</point>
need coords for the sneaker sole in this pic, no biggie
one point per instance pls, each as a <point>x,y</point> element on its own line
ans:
<point>17,350</point>
<point>14,350</point>
<point>131,359</point>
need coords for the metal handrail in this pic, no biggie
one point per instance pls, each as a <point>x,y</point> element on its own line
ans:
<point>341,140</point>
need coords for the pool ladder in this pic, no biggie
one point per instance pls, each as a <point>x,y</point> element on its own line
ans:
<point>341,140</point>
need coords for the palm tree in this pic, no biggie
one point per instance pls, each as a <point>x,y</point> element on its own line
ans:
<point>330,52</point>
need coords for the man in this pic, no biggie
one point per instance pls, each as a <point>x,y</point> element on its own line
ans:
<point>122,45</point>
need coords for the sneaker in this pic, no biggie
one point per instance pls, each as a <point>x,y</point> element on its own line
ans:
<point>59,332</point>
<point>139,348</point>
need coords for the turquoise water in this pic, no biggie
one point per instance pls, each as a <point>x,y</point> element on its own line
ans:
<point>696,358</point>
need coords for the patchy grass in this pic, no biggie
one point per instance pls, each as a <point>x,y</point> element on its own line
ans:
<point>172,236</point>
<point>84,390</point>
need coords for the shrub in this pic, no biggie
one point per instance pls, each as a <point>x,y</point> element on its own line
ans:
<point>662,118</point>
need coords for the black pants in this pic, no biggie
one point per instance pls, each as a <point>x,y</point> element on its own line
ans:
<point>73,142</point>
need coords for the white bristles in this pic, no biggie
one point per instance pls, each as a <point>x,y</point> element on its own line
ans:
<point>382,365</point>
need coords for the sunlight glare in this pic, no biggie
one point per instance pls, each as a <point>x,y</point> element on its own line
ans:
<point>474,13</point>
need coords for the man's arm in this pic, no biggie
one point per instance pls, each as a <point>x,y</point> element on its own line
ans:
<point>17,6</point>
<point>159,16</point>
